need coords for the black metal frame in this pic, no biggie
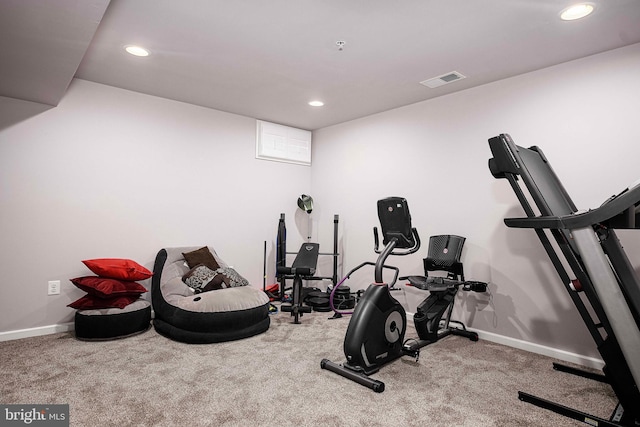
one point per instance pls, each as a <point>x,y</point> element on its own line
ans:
<point>603,274</point>
<point>367,343</point>
<point>281,256</point>
<point>378,317</point>
<point>303,267</point>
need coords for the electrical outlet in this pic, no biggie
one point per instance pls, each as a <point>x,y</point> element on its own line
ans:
<point>54,287</point>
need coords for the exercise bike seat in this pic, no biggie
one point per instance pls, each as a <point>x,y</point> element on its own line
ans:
<point>433,284</point>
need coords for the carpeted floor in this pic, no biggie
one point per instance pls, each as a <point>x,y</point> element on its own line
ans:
<point>275,379</point>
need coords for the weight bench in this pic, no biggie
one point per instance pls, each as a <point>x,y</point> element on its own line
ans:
<point>303,267</point>
<point>599,278</point>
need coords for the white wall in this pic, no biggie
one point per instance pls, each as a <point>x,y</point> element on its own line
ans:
<point>584,114</point>
<point>113,173</point>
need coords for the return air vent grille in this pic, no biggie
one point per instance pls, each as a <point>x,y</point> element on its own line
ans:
<point>443,79</point>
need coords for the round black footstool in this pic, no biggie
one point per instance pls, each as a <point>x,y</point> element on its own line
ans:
<point>113,323</point>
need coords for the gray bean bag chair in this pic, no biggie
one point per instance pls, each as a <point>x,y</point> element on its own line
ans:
<point>192,315</point>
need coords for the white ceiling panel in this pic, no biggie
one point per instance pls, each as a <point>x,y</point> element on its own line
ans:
<point>268,59</point>
<point>41,45</point>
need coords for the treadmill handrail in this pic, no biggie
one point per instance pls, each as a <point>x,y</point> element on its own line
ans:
<point>610,209</point>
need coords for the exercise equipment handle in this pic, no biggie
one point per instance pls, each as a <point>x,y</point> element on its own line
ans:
<point>376,240</point>
<point>411,250</point>
<point>382,258</point>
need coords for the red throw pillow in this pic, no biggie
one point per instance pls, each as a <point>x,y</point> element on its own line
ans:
<point>117,268</point>
<point>90,302</point>
<point>103,287</point>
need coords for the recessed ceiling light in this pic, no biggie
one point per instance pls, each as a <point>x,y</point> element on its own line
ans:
<point>576,11</point>
<point>136,50</point>
<point>316,103</point>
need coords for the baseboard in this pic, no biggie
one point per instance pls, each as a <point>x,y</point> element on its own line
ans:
<point>34,332</point>
<point>563,355</point>
<point>42,330</point>
<point>487,336</point>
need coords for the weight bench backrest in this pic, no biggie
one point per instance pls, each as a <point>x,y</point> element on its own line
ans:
<point>307,258</point>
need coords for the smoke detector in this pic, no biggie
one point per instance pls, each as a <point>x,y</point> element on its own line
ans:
<point>443,79</point>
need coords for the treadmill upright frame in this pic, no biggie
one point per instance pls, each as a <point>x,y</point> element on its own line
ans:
<point>599,268</point>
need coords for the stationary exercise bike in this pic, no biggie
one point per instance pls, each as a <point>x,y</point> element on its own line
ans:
<point>375,335</point>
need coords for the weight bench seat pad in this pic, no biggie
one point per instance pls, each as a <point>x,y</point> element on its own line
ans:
<point>113,323</point>
<point>214,316</point>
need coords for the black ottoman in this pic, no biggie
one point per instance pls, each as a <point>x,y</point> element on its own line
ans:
<point>112,323</point>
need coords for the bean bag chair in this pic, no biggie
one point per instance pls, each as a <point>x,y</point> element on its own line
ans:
<point>216,305</point>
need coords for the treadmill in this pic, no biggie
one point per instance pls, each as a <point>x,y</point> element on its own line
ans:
<point>596,271</point>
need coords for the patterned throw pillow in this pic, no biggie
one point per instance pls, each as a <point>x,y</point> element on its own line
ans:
<point>200,278</point>
<point>231,278</point>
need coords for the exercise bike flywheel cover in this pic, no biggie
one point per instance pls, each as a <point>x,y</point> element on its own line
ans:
<point>393,326</point>
<point>305,202</point>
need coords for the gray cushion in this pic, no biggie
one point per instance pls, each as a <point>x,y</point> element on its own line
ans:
<point>178,294</point>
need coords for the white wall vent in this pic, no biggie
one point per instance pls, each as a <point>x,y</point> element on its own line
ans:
<point>443,79</point>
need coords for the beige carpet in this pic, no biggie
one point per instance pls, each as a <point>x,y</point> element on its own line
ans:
<point>275,379</point>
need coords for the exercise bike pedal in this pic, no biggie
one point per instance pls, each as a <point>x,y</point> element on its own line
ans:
<point>412,353</point>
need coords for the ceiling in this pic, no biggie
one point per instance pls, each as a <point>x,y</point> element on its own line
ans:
<point>268,58</point>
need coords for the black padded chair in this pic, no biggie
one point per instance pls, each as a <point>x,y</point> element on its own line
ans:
<point>444,255</point>
<point>433,316</point>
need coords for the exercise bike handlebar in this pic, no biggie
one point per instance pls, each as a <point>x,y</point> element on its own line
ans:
<point>388,249</point>
<point>396,271</point>
<point>411,250</point>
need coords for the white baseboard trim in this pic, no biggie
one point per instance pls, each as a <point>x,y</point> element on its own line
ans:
<point>42,330</point>
<point>35,332</point>
<point>487,336</point>
<point>563,355</point>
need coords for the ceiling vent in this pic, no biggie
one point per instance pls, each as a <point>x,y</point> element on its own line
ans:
<point>443,79</point>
